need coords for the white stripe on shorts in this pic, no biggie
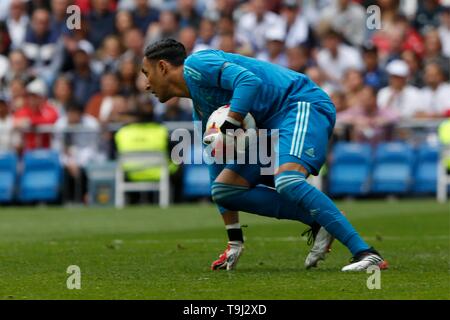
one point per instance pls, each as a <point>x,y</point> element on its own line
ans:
<point>298,127</point>
<point>304,129</point>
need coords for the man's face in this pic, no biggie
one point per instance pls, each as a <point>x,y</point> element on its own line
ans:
<point>35,101</point>
<point>259,7</point>
<point>18,62</point>
<point>156,73</point>
<point>59,7</point>
<point>80,59</point>
<point>433,75</point>
<point>73,117</point>
<point>368,99</point>
<point>40,22</point>
<point>397,82</point>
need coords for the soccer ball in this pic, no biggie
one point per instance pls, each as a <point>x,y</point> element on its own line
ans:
<point>217,118</point>
<point>216,141</point>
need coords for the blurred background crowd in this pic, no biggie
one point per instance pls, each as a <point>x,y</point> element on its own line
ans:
<point>52,75</point>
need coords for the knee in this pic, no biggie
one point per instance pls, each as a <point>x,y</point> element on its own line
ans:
<point>225,194</point>
<point>292,185</point>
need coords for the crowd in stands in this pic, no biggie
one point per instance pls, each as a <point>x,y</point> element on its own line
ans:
<point>51,74</point>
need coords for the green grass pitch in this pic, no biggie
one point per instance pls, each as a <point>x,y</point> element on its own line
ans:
<point>150,253</point>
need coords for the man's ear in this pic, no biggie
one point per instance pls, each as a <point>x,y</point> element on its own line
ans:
<point>163,66</point>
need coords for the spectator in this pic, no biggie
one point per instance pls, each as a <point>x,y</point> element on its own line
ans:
<point>275,49</point>
<point>134,45</point>
<point>18,67</point>
<point>220,8</point>
<point>188,37</point>
<point>4,9</point>
<point>341,130</point>
<point>348,18</point>
<point>397,37</point>
<point>253,25</point>
<point>37,111</point>
<point>17,93</point>
<point>225,25</point>
<point>188,14</point>
<point>71,44</point>
<point>62,94</point>
<point>8,138</point>
<point>335,58</point>
<point>227,43</point>
<point>353,83</point>
<point>399,97</point>
<point>124,22</point>
<point>100,106</point>
<point>120,110</point>
<point>415,68</point>
<point>167,27</point>
<point>59,17</point>
<point>206,35</point>
<point>110,53</point>
<point>84,79</point>
<point>144,134</point>
<point>318,77</point>
<point>389,10</point>
<point>433,50</point>
<point>128,72</point>
<point>368,122</point>
<point>17,23</point>
<point>174,112</point>
<point>101,22</point>
<point>77,149</point>
<point>5,43</point>
<point>144,15</point>
<point>444,31</point>
<point>298,58</point>
<point>340,102</point>
<point>427,15</point>
<point>40,46</point>
<point>436,94</point>
<point>373,75</point>
<point>298,30</point>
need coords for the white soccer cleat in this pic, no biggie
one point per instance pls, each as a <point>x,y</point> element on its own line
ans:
<point>230,257</point>
<point>321,246</point>
<point>364,260</point>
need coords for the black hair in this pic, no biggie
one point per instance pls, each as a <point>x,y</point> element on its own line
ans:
<point>372,88</point>
<point>167,49</point>
<point>370,48</point>
<point>74,106</point>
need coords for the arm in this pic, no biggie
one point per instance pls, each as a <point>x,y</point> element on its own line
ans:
<point>245,86</point>
<point>210,69</point>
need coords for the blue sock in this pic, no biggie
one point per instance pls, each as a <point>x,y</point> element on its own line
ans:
<point>293,185</point>
<point>259,200</point>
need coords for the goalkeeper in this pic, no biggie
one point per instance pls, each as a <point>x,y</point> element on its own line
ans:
<point>278,98</point>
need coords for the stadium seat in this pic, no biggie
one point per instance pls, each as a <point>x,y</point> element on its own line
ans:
<point>425,173</point>
<point>350,169</point>
<point>41,177</point>
<point>196,177</point>
<point>393,166</point>
<point>8,170</point>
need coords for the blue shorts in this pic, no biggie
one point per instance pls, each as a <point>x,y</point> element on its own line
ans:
<point>304,132</point>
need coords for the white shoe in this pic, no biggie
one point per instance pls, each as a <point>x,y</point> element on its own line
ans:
<point>320,248</point>
<point>365,259</point>
<point>230,257</point>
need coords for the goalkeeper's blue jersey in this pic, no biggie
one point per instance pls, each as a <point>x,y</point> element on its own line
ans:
<point>216,78</point>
